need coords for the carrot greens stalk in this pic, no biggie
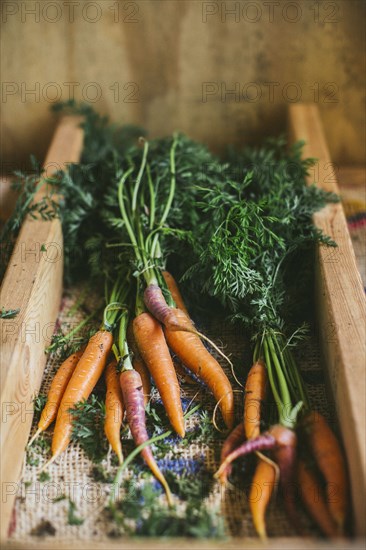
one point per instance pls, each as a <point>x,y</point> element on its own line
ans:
<point>144,238</point>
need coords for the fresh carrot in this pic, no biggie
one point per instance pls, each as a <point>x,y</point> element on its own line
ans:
<point>56,392</point>
<point>178,299</point>
<point>285,457</point>
<point>314,500</point>
<point>131,385</point>
<point>236,437</point>
<point>80,386</point>
<point>255,393</point>
<point>331,463</point>
<point>263,442</point>
<point>282,441</point>
<point>193,354</point>
<point>139,365</point>
<point>263,484</point>
<point>174,291</point>
<point>151,343</point>
<point>114,410</point>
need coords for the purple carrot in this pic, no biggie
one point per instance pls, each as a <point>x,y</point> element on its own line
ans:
<point>283,442</point>
<point>263,442</point>
<point>285,454</point>
<point>156,304</point>
<point>133,399</point>
<point>236,437</point>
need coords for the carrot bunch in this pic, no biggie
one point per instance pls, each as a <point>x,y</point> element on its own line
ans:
<point>251,232</point>
<point>145,320</point>
<point>304,476</point>
<point>162,324</point>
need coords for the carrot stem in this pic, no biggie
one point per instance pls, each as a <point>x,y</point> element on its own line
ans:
<point>139,176</point>
<point>285,394</point>
<point>152,198</point>
<point>125,217</point>
<point>271,380</point>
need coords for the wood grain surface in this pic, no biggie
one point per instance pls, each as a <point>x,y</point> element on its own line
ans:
<point>341,308</point>
<point>189,544</point>
<point>32,284</point>
<point>220,70</point>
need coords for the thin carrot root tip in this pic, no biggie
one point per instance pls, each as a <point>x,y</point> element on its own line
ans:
<point>38,432</point>
<point>48,463</point>
<point>261,532</point>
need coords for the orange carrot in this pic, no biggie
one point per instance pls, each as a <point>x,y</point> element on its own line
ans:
<point>139,365</point>
<point>330,461</point>
<point>174,291</point>
<point>114,410</point>
<point>56,392</point>
<point>261,491</point>
<point>80,386</point>
<point>151,343</point>
<point>193,354</point>
<point>314,500</point>
<point>255,393</point>
<point>131,385</point>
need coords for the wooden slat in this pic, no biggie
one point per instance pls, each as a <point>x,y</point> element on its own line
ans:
<point>32,283</point>
<point>290,543</point>
<point>341,308</point>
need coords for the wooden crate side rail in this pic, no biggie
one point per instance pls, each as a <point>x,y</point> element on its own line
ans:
<point>341,308</point>
<point>32,284</point>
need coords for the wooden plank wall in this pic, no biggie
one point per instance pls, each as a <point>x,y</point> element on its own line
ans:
<point>171,64</point>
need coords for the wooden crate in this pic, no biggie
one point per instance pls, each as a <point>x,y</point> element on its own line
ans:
<point>35,287</point>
